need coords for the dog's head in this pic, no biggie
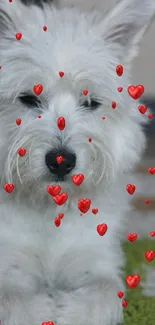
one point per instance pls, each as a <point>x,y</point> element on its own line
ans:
<point>97,140</point>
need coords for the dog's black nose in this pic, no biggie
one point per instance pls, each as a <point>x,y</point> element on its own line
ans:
<point>61,162</point>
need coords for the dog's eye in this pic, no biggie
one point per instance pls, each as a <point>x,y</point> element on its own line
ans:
<point>93,104</point>
<point>29,100</point>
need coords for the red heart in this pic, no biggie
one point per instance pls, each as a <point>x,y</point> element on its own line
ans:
<point>85,92</point>
<point>120,294</point>
<point>59,159</point>
<point>120,89</point>
<point>78,179</point>
<point>61,74</point>
<point>60,198</point>
<point>94,211</point>
<point>119,70</point>
<point>147,201</point>
<point>57,221</point>
<point>133,281</point>
<point>21,152</point>
<point>130,188</point>
<point>151,170</point>
<point>150,116</point>
<point>132,237</point>
<point>18,36</point>
<point>48,323</point>
<point>124,303</point>
<point>18,121</point>
<point>150,255</point>
<point>61,123</point>
<point>8,187</point>
<point>152,233</point>
<point>142,109</point>
<point>45,28</point>
<point>136,91</point>
<point>102,229</point>
<point>113,105</point>
<point>53,190</point>
<point>38,89</point>
<point>84,205</point>
<point>61,215</point>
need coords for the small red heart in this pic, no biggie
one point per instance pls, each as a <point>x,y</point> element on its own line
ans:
<point>53,190</point>
<point>39,116</point>
<point>38,89</point>
<point>151,170</point>
<point>119,70</point>
<point>152,233</point>
<point>120,89</point>
<point>132,281</point>
<point>18,36</point>
<point>59,159</point>
<point>21,152</point>
<point>18,121</point>
<point>61,215</point>
<point>78,179</point>
<point>61,123</point>
<point>0,67</point>
<point>136,91</point>
<point>102,229</point>
<point>45,28</point>
<point>85,92</point>
<point>90,139</point>
<point>61,74</point>
<point>60,198</point>
<point>95,211</point>
<point>8,187</point>
<point>57,221</point>
<point>130,188</point>
<point>120,294</point>
<point>147,201</point>
<point>142,109</point>
<point>84,205</point>
<point>113,105</point>
<point>132,237</point>
<point>150,255</point>
<point>150,116</point>
<point>124,303</point>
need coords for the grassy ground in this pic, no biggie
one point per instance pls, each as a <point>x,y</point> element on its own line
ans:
<point>140,310</point>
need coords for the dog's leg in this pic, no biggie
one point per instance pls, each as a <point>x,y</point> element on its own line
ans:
<point>21,310</point>
<point>24,299</point>
<point>95,304</point>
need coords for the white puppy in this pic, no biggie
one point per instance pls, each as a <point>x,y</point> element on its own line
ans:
<point>68,274</point>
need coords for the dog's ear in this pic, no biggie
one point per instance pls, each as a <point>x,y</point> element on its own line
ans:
<point>125,25</point>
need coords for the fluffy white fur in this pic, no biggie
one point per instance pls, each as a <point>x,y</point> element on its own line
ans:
<point>69,274</point>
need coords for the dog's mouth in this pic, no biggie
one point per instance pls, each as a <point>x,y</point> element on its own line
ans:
<point>59,179</point>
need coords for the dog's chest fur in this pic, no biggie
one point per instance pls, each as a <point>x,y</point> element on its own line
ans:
<point>59,258</point>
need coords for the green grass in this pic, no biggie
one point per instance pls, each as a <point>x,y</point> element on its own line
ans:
<point>140,309</point>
